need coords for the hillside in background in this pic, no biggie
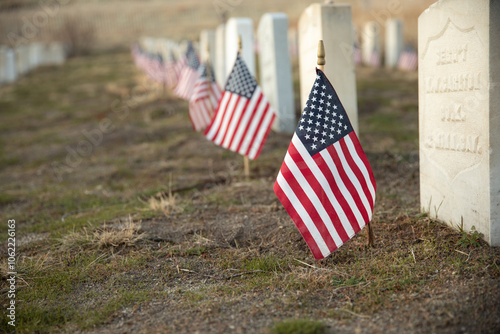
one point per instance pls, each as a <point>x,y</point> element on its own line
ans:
<point>119,23</point>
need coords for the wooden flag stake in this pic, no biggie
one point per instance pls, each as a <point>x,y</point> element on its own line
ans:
<point>321,65</point>
<point>246,161</point>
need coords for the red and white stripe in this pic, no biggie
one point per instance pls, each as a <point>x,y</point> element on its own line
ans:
<point>187,81</point>
<point>330,195</point>
<point>242,124</point>
<point>408,61</point>
<point>205,99</point>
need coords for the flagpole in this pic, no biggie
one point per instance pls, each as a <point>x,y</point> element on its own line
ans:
<point>246,160</point>
<point>321,56</point>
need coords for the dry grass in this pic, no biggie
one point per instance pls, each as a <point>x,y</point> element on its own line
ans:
<point>127,234</point>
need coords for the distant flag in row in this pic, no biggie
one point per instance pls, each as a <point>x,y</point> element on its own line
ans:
<point>408,60</point>
<point>172,72</point>
<point>243,117</point>
<point>188,75</point>
<point>205,98</point>
<point>326,183</point>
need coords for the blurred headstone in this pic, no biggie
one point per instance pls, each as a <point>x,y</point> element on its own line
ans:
<point>239,26</point>
<point>22,54</point>
<point>333,24</point>
<point>370,46</point>
<point>219,62</point>
<point>35,55</point>
<point>8,68</point>
<point>459,115</point>
<point>275,69</point>
<point>393,42</point>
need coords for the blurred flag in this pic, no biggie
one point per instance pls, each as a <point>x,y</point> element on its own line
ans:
<point>325,182</point>
<point>188,75</point>
<point>172,72</point>
<point>151,64</point>
<point>205,98</point>
<point>244,117</point>
<point>408,60</point>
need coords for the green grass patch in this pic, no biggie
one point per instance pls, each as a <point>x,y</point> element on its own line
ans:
<point>299,326</point>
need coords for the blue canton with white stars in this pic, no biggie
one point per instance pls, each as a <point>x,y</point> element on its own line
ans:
<point>240,80</point>
<point>324,120</point>
<point>192,58</point>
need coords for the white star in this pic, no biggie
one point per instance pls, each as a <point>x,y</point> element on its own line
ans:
<point>338,131</point>
<point>341,116</point>
<point>323,133</point>
<point>316,131</point>
<point>321,101</point>
<point>324,87</point>
<point>302,120</point>
<point>308,129</point>
<point>323,94</point>
<point>313,107</point>
<point>334,106</point>
<point>328,104</point>
<point>309,121</point>
<point>311,113</point>
<point>327,118</point>
<point>313,146</point>
<point>345,127</point>
<point>332,128</point>
<point>334,114</point>
<point>323,141</point>
<point>315,138</point>
<point>313,99</point>
<point>301,127</point>
<point>320,108</point>
<point>325,126</point>
<point>315,91</point>
<point>307,136</point>
<point>331,136</point>
<point>339,123</point>
<point>318,77</point>
<point>329,96</point>
<point>318,123</point>
<point>316,85</point>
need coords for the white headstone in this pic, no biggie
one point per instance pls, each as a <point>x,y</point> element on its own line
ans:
<point>275,69</point>
<point>239,26</point>
<point>8,68</point>
<point>219,62</point>
<point>207,45</point>
<point>35,55</point>
<point>370,47</point>
<point>459,114</point>
<point>333,24</point>
<point>22,54</point>
<point>53,54</point>
<point>393,42</point>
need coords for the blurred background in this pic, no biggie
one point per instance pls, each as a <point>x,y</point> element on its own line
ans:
<point>85,25</point>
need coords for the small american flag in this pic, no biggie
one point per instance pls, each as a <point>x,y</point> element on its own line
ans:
<point>326,183</point>
<point>244,117</point>
<point>189,74</point>
<point>172,72</point>
<point>205,98</point>
<point>374,59</point>
<point>408,60</point>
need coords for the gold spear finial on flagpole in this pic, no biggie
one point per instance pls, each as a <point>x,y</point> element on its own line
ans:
<point>321,55</point>
<point>246,161</point>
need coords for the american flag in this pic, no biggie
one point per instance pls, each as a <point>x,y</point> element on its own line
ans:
<point>325,182</point>
<point>244,117</point>
<point>151,64</point>
<point>189,74</point>
<point>205,98</point>
<point>408,61</point>
<point>172,72</point>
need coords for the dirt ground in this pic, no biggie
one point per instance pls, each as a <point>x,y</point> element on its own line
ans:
<point>222,255</point>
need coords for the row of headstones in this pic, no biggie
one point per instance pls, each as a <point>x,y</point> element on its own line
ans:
<point>396,55</point>
<point>459,94</point>
<point>22,59</point>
